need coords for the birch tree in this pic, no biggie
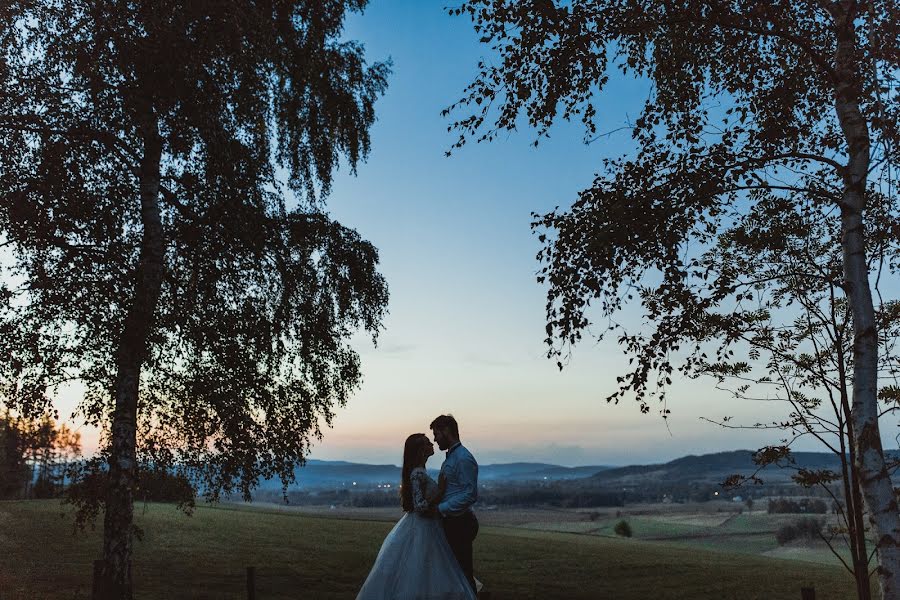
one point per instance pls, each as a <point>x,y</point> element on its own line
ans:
<point>756,110</point>
<point>163,171</point>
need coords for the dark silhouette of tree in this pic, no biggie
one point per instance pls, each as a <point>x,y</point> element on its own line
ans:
<point>770,132</point>
<point>163,166</point>
<point>808,366</point>
<point>14,470</point>
<point>801,354</point>
<point>35,456</point>
<point>51,449</point>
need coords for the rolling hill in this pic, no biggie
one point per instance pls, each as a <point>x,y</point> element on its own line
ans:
<point>706,468</point>
<point>709,468</point>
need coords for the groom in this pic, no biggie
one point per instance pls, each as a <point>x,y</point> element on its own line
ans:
<point>460,472</point>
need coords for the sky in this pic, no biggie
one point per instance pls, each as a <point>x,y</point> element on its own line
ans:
<point>466,326</point>
<point>465,333</point>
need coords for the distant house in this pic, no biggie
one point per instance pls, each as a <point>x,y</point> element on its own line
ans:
<point>737,499</point>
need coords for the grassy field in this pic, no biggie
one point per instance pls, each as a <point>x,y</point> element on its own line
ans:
<point>299,555</point>
<point>713,526</point>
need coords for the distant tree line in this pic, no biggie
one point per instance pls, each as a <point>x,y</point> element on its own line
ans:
<point>565,494</point>
<point>154,483</point>
<point>688,491</point>
<point>497,495</point>
<point>35,456</point>
<point>804,505</point>
<point>41,459</point>
<point>550,495</point>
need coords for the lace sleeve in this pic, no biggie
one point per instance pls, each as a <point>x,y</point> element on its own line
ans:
<point>419,480</point>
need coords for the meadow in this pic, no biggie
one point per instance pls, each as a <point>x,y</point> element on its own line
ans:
<point>326,555</point>
<point>718,526</point>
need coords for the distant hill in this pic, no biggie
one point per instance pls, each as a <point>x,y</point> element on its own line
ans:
<point>535,471</point>
<point>317,474</point>
<point>705,468</point>
<point>709,468</point>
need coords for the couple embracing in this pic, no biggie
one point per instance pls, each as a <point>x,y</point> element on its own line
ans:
<point>428,553</point>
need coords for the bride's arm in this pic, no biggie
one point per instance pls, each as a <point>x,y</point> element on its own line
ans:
<point>419,482</point>
<point>437,493</point>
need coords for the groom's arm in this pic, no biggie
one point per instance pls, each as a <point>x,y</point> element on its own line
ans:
<point>467,473</point>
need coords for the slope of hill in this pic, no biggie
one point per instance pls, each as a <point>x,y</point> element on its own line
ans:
<point>535,471</point>
<point>710,468</point>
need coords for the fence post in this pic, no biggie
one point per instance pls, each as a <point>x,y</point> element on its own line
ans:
<point>807,593</point>
<point>97,582</point>
<point>251,583</point>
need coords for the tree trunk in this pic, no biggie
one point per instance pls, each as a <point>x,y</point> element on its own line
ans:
<point>131,353</point>
<point>874,480</point>
<point>858,533</point>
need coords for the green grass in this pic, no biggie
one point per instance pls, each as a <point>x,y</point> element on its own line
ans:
<point>299,556</point>
<point>744,534</point>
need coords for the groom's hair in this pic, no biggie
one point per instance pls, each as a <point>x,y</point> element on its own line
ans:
<point>446,422</point>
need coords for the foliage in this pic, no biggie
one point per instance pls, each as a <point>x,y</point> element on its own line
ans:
<point>756,203</point>
<point>154,484</point>
<point>163,166</point>
<point>247,351</point>
<point>35,456</point>
<point>804,505</point>
<point>807,528</point>
<point>696,224</point>
<point>623,529</point>
<point>14,471</point>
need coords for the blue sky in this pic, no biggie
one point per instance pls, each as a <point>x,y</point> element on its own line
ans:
<point>466,325</point>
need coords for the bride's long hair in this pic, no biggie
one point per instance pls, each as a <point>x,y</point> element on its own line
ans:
<point>412,454</point>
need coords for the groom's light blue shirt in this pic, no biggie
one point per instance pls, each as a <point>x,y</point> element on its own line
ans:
<point>461,472</point>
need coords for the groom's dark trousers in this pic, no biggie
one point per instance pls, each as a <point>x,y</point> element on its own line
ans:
<point>461,532</point>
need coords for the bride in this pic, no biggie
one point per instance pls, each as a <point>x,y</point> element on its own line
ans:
<point>415,561</point>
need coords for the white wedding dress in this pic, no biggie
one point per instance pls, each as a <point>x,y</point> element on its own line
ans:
<point>415,561</point>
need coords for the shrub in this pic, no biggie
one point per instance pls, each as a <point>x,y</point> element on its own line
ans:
<point>623,528</point>
<point>805,505</point>
<point>808,528</point>
<point>786,533</point>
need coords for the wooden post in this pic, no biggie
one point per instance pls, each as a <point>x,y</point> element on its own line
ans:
<point>807,593</point>
<point>251,583</point>
<point>96,584</point>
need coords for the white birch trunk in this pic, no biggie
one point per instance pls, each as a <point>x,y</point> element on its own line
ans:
<point>116,578</point>
<point>875,482</point>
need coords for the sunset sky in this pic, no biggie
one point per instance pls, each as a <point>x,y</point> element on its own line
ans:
<point>466,325</point>
<point>466,328</point>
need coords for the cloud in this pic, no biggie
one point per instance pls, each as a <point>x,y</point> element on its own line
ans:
<point>396,349</point>
<point>486,361</point>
